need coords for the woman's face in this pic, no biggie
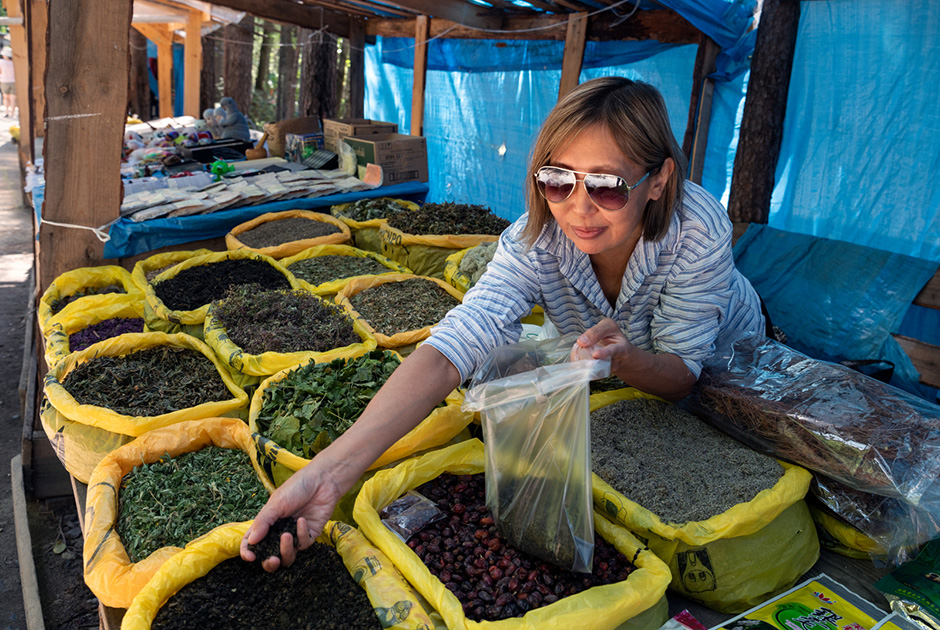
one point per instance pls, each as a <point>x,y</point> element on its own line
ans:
<point>604,234</point>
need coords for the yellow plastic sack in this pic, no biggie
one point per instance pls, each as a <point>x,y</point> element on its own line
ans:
<point>365,234</point>
<point>597,608</point>
<point>109,573</point>
<point>334,287</point>
<point>104,418</point>
<point>292,247</point>
<point>161,261</point>
<point>57,341</point>
<point>397,340</point>
<point>80,280</point>
<point>426,255</point>
<point>277,463</point>
<point>736,559</point>
<point>840,537</point>
<point>158,317</point>
<point>394,602</point>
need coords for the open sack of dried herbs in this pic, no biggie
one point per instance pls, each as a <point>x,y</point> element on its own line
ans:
<point>84,288</point>
<point>475,579</point>
<point>283,234</point>
<point>77,330</point>
<point>179,298</point>
<point>146,270</point>
<point>731,523</point>
<point>849,427</point>
<point>300,411</point>
<point>399,309</point>
<point>422,240</point>
<point>258,333</point>
<point>325,269</point>
<point>342,581</point>
<point>366,216</point>
<point>153,496</point>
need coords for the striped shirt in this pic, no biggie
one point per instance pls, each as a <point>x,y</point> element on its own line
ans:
<point>680,295</point>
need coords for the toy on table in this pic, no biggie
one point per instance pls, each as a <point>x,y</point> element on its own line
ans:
<point>234,125</point>
<point>220,168</point>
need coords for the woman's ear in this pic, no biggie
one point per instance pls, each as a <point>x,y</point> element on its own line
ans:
<point>659,180</point>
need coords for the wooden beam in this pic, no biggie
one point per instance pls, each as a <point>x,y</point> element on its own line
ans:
<point>457,11</point>
<point>163,38</point>
<point>755,162</point>
<point>929,296</point>
<point>357,69</point>
<point>37,24</point>
<point>287,12</point>
<point>700,108</point>
<point>86,88</point>
<point>20,45</point>
<point>192,64</point>
<point>574,53</point>
<point>420,72</point>
<point>156,33</point>
<point>924,356</point>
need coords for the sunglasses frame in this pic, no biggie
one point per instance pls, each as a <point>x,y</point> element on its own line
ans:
<point>591,197</point>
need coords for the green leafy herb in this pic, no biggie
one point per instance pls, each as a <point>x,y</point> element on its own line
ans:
<point>448,218</point>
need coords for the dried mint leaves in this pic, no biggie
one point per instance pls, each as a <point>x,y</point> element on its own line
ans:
<point>448,218</point>
<point>395,307</point>
<point>194,287</point>
<point>321,269</point>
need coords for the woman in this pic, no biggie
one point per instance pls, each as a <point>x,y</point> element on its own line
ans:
<point>7,82</point>
<point>616,245</point>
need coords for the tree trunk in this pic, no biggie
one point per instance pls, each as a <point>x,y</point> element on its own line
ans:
<point>342,84</point>
<point>236,76</point>
<point>264,58</point>
<point>318,76</point>
<point>287,73</point>
<point>209,78</point>
<point>138,85</point>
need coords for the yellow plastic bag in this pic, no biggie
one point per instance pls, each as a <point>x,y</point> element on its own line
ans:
<point>80,280</point>
<point>293,247</point>
<point>57,341</point>
<point>736,559</point>
<point>104,418</point>
<point>840,537</point>
<point>109,573</point>
<point>158,317</point>
<point>365,234</point>
<point>397,340</point>
<point>426,255</point>
<point>602,607</point>
<point>334,287</point>
<point>441,425</point>
<point>395,604</point>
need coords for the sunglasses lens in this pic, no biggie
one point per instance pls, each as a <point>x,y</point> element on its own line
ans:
<point>555,184</point>
<point>608,191</point>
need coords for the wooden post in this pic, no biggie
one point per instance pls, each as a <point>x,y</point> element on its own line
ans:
<point>755,164</point>
<point>574,53</point>
<point>193,64</point>
<point>357,68</point>
<point>422,26</point>
<point>37,25</point>
<point>86,88</point>
<point>21,67</point>
<point>162,37</point>
<point>700,108</point>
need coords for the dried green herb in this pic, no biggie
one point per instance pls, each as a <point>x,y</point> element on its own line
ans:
<point>321,269</point>
<point>315,403</point>
<point>448,218</point>
<point>368,209</point>
<point>62,302</point>
<point>411,304</point>
<point>175,500</point>
<point>148,382</point>
<point>194,287</point>
<point>282,321</point>
<point>474,262</point>
<point>608,384</point>
<point>280,231</point>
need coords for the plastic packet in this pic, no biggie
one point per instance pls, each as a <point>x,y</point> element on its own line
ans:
<point>536,423</point>
<point>913,589</point>
<point>409,514</point>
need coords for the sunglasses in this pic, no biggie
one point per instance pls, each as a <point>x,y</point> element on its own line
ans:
<point>608,192</point>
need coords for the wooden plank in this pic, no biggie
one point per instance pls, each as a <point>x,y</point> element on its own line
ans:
<point>192,64</point>
<point>706,88</point>
<point>86,92</point>
<point>288,12</point>
<point>37,28</point>
<point>755,163</point>
<point>574,53</point>
<point>420,72</point>
<point>48,477</point>
<point>925,357</point>
<point>357,69</point>
<point>24,549</point>
<point>457,11</point>
<point>19,43</point>
<point>929,296</point>
<point>165,79</point>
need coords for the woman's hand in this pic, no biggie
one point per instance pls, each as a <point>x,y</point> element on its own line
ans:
<point>605,341</point>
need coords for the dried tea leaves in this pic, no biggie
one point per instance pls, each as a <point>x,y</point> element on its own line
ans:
<point>149,382</point>
<point>194,287</point>
<point>58,305</point>
<point>315,403</point>
<point>368,209</point>
<point>314,593</point>
<point>270,545</point>
<point>283,321</point>
<point>280,231</point>
<point>673,464</point>
<point>105,329</point>
<point>448,218</point>
<point>174,500</point>
<point>492,579</point>
<point>411,304</point>
<point>322,269</point>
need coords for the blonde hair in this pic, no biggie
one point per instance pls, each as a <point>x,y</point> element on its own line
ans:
<point>636,116</point>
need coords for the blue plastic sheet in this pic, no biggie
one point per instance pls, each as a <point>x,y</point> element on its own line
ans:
<point>835,300</point>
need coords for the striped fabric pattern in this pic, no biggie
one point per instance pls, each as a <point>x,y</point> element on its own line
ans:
<point>681,295</point>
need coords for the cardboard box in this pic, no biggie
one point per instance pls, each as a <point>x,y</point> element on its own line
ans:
<point>336,130</point>
<point>299,147</point>
<point>402,158</point>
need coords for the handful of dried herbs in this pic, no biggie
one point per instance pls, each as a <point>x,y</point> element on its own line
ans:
<point>282,321</point>
<point>175,500</point>
<point>315,403</point>
<point>395,307</point>
<point>448,218</point>
<point>197,286</point>
<point>368,209</point>
<point>322,269</point>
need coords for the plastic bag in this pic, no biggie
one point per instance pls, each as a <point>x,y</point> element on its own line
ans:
<point>292,247</point>
<point>334,287</point>
<point>637,603</point>
<point>913,589</point>
<point>534,404</point>
<point>365,234</point>
<point>395,603</point>
<point>85,280</point>
<point>409,514</point>
<point>426,255</point>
